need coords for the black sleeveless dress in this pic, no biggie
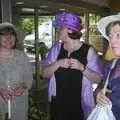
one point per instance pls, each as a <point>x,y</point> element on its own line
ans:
<point>66,105</point>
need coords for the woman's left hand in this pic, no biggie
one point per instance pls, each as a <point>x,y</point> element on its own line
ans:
<point>19,89</point>
<point>75,64</point>
<point>101,99</point>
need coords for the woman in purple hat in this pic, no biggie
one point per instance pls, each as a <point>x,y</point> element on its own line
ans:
<point>71,66</point>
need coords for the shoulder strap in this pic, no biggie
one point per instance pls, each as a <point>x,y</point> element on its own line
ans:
<point>85,48</point>
<point>107,79</point>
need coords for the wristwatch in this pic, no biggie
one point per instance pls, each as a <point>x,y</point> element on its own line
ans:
<point>84,68</point>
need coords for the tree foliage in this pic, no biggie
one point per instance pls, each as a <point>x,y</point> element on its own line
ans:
<point>28,25</point>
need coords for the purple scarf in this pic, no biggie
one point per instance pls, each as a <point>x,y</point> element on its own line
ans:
<point>88,102</point>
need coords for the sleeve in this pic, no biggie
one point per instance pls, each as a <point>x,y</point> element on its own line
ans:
<point>52,55</point>
<point>28,78</point>
<point>95,63</point>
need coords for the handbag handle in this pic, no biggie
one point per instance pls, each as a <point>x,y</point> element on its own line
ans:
<point>107,79</point>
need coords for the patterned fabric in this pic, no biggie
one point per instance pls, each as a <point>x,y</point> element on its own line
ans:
<point>114,86</point>
<point>15,70</point>
<point>68,20</point>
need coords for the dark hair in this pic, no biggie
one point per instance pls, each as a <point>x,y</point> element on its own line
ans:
<point>9,30</point>
<point>111,25</point>
<point>75,35</point>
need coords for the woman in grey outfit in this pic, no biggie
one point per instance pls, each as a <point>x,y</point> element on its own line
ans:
<point>15,75</point>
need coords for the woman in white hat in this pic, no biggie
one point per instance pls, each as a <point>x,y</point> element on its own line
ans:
<point>109,27</point>
<point>15,75</point>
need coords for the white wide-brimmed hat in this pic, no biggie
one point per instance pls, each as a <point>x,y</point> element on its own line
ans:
<point>103,23</point>
<point>6,24</point>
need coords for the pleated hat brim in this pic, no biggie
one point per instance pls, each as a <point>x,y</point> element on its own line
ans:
<point>104,22</point>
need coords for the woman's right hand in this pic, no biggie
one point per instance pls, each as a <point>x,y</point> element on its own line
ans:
<point>6,94</point>
<point>101,99</point>
<point>64,63</point>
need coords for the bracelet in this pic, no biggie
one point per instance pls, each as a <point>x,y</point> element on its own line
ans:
<point>84,68</point>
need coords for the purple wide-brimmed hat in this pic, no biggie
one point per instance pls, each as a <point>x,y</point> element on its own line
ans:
<point>68,20</point>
